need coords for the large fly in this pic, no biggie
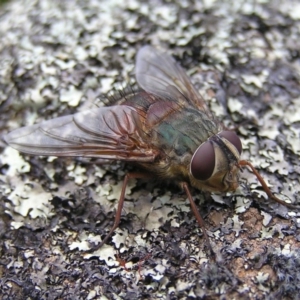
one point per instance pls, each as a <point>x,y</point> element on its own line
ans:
<point>165,127</point>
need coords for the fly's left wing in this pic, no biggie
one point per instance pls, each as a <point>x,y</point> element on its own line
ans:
<point>159,74</point>
<point>113,132</point>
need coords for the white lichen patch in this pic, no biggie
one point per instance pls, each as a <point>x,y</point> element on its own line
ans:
<point>106,84</point>
<point>99,172</point>
<point>29,198</point>
<point>182,286</point>
<point>242,204</point>
<point>72,96</point>
<point>119,238</point>
<point>116,189</point>
<point>292,112</point>
<point>151,215</point>
<point>78,173</point>
<point>269,232</point>
<point>15,264</point>
<point>84,241</point>
<point>16,225</point>
<point>234,105</point>
<point>292,136</point>
<point>237,225</point>
<point>267,128</point>
<point>157,217</point>
<point>267,218</point>
<point>50,171</point>
<point>287,249</point>
<point>261,280</point>
<point>277,156</point>
<point>257,81</point>
<point>15,161</point>
<point>105,253</point>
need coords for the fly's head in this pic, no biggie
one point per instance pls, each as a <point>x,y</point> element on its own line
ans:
<point>215,164</point>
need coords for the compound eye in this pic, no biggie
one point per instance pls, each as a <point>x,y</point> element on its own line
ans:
<point>203,162</point>
<point>232,137</point>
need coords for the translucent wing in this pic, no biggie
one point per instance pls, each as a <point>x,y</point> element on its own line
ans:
<point>159,74</point>
<point>113,132</point>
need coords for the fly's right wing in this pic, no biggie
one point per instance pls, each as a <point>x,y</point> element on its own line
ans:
<point>113,132</point>
<point>159,74</point>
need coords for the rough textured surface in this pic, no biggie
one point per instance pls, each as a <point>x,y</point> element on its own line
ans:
<point>60,57</point>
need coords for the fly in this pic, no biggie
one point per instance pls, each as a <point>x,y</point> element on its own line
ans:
<point>166,128</point>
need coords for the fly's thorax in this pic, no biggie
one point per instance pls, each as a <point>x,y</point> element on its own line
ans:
<point>214,165</point>
<point>180,133</point>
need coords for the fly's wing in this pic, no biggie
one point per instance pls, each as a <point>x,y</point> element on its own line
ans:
<point>113,132</point>
<point>159,74</point>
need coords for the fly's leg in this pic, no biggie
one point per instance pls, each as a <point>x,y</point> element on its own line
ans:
<point>198,217</point>
<point>244,163</point>
<point>119,208</point>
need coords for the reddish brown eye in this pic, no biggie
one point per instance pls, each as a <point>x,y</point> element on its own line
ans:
<point>203,161</point>
<point>232,137</point>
